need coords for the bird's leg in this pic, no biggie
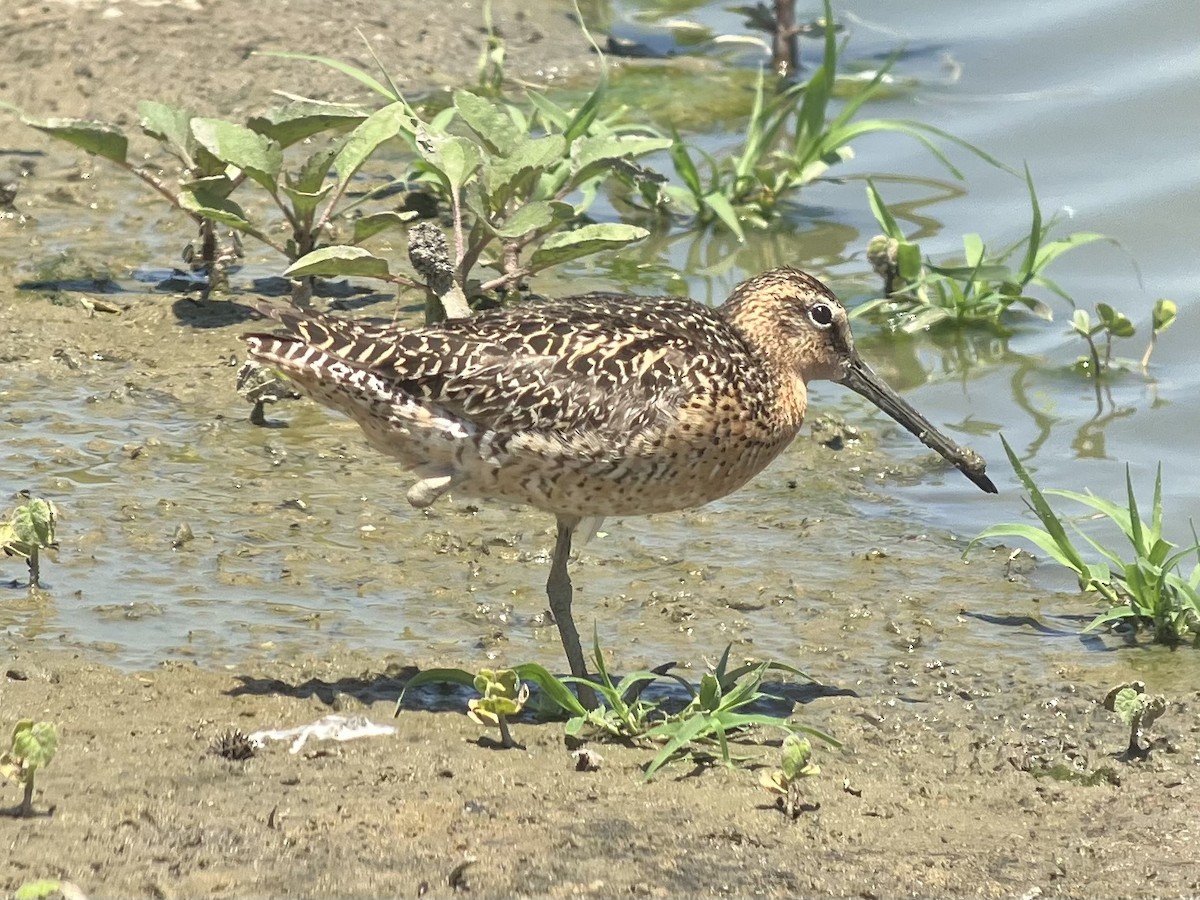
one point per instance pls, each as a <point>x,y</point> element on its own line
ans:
<point>559,592</point>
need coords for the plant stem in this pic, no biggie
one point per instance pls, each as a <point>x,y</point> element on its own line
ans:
<point>26,807</point>
<point>505,735</point>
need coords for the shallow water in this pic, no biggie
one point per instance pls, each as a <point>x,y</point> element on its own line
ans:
<point>302,536</point>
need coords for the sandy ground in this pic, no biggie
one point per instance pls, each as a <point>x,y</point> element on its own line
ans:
<point>952,780</point>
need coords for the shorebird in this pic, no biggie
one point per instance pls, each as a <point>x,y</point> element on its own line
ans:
<point>595,405</point>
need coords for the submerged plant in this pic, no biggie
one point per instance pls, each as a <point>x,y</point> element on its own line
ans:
<point>29,531</point>
<point>33,746</point>
<point>1138,710</point>
<point>795,765</point>
<point>1145,589</point>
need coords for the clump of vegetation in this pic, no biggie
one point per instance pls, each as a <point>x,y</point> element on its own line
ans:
<point>1146,589</point>
<point>28,531</point>
<point>1138,710</point>
<point>217,158</point>
<point>919,294</point>
<point>792,139</point>
<point>716,714</point>
<point>795,765</point>
<point>517,201</point>
<point>503,695</point>
<point>33,746</point>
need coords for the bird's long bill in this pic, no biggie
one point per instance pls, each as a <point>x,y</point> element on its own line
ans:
<point>862,379</point>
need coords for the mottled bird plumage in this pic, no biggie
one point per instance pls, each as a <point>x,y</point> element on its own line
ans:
<point>595,405</point>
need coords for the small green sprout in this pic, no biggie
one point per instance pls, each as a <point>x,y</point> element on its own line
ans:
<point>1138,710</point>
<point>1112,323</point>
<point>504,695</point>
<point>29,531</point>
<point>33,746</point>
<point>49,889</point>
<point>784,782</point>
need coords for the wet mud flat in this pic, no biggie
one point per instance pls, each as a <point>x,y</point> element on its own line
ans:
<point>950,783</point>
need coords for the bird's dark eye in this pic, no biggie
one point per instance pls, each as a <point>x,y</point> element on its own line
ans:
<point>822,315</point>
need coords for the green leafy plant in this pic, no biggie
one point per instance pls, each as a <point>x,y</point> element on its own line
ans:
<point>33,746</point>
<point>718,712</point>
<point>1138,710</point>
<point>518,184</point>
<point>792,139</point>
<point>503,695</point>
<point>217,157</point>
<point>1112,324</point>
<point>30,530</point>
<point>796,764</point>
<point>1145,590</point>
<point>715,715</point>
<point>920,294</point>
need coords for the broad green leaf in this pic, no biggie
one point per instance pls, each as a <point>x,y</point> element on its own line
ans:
<point>908,261</point>
<point>679,737</point>
<point>258,156</point>
<point>1036,536</point>
<point>797,753</point>
<point>212,205</point>
<point>435,676</point>
<point>305,202</point>
<point>367,226</point>
<point>34,743</point>
<point>302,119</point>
<point>682,161</point>
<point>527,219</point>
<point>489,121</point>
<point>98,138</point>
<point>314,171</point>
<point>592,155</point>
<point>1115,614</point>
<point>563,246</point>
<point>169,124</point>
<point>1081,321</point>
<point>1115,322</point>
<point>529,156</point>
<point>455,158</point>
<point>33,523</point>
<point>378,128</point>
<point>1163,316</point>
<point>340,260</point>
